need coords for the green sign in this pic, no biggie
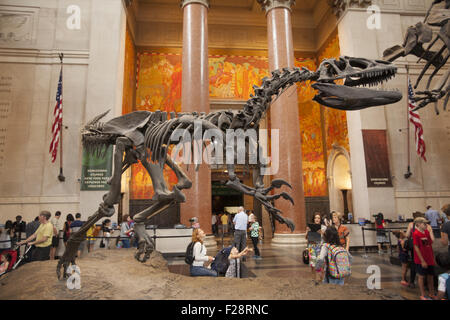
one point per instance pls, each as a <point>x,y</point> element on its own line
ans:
<point>96,170</point>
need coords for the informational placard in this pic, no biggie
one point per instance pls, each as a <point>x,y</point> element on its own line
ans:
<point>96,170</point>
<point>377,159</point>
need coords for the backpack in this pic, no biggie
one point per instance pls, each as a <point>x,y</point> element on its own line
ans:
<point>221,262</point>
<point>189,256</point>
<point>409,244</point>
<point>338,261</point>
<point>305,256</point>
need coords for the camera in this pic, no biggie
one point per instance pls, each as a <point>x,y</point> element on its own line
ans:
<point>192,220</point>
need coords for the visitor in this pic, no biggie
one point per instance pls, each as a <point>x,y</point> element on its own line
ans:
<point>197,267</point>
<point>443,260</point>
<point>402,254</point>
<point>435,221</point>
<point>66,228</point>
<point>410,246</point>
<point>134,239</point>
<point>240,233</point>
<point>234,269</point>
<point>254,235</point>
<point>29,230</point>
<point>42,238</point>
<point>90,237</point>
<point>18,227</point>
<point>424,257</point>
<point>224,220</point>
<point>106,228</point>
<point>445,232</point>
<point>343,232</point>
<point>56,222</point>
<point>5,260</point>
<point>125,231</point>
<point>214,224</point>
<point>314,237</point>
<point>331,241</point>
<point>380,225</point>
<point>74,227</point>
<point>5,239</point>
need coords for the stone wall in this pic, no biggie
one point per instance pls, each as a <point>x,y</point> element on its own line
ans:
<point>32,33</point>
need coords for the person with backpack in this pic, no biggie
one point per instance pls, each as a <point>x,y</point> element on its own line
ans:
<point>106,228</point>
<point>66,228</point>
<point>196,253</point>
<point>334,258</point>
<point>443,260</point>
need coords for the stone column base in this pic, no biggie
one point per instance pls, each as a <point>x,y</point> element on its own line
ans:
<point>210,242</point>
<point>289,240</point>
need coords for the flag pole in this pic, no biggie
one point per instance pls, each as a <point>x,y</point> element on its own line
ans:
<point>408,173</point>
<point>60,124</point>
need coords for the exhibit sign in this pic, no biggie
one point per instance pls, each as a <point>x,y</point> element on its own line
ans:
<point>96,169</point>
<point>377,160</point>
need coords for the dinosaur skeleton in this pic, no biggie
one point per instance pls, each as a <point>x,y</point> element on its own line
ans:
<point>416,37</point>
<point>146,136</point>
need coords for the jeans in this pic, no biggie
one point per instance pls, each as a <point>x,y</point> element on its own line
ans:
<point>125,243</point>
<point>334,281</point>
<point>255,245</point>
<point>240,239</point>
<point>202,271</point>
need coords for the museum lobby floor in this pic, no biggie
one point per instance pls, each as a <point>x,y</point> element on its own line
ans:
<point>279,262</point>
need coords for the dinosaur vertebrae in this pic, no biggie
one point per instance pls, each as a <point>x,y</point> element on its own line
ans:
<point>159,129</point>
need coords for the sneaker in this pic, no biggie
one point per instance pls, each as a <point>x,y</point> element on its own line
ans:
<point>404,283</point>
<point>425,298</point>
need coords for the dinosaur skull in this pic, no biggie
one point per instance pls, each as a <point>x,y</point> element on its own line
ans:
<point>355,72</point>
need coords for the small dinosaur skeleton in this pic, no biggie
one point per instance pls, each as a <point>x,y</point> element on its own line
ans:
<point>146,136</point>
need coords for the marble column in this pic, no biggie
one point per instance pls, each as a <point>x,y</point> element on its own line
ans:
<point>195,97</point>
<point>284,117</point>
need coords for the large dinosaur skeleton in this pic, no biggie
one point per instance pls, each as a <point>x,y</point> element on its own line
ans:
<point>416,37</point>
<point>146,136</point>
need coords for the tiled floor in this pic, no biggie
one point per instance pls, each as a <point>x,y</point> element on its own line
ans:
<point>287,263</point>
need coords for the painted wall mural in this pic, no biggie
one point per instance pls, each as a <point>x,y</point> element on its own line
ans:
<point>313,164</point>
<point>335,120</point>
<point>129,78</point>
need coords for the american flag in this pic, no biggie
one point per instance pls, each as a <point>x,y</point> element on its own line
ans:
<point>415,119</point>
<point>57,123</point>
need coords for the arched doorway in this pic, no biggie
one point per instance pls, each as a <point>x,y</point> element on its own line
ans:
<point>340,180</point>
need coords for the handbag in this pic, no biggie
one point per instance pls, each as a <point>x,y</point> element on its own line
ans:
<point>102,244</point>
<point>306,256</point>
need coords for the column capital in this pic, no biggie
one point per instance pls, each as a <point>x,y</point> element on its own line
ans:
<point>183,3</point>
<point>340,6</point>
<point>270,4</point>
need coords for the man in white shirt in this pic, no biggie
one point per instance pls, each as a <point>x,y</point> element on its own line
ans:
<point>57,226</point>
<point>240,226</point>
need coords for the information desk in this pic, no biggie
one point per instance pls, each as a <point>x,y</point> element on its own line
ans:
<point>370,236</point>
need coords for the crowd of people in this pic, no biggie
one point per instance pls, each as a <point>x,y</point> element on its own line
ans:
<point>43,235</point>
<point>416,252</point>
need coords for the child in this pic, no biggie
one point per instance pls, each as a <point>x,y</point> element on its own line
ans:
<point>424,257</point>
<point>254,234</point>
<point>443,260</point>
<point>314,237</point>
<point>402,254</point>
<point>380,225</point>
<point>4,262</point>
<point>233,270</point>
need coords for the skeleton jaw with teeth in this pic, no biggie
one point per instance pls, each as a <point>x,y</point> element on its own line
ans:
<point>357,73</point>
